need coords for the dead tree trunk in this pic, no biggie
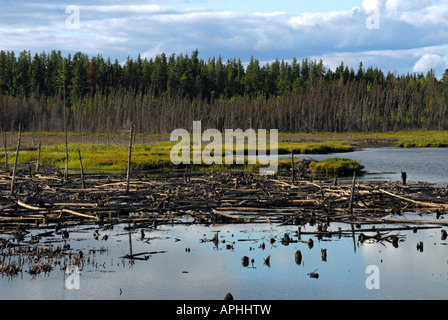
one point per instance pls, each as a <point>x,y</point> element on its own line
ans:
<point>38,158</point>
<point>352,193</point>
<point>82,170</point>
<point>15,161</point>
<point>292,167</point>
<point>66,139</point>
<point>403,178</point>
<point>6,151</point>
<point>128,173</point>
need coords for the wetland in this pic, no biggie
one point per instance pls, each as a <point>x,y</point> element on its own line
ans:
<point>200,235</point>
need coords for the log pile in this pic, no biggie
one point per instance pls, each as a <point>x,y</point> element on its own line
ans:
<point>207,198</point>
<point>44,205</point>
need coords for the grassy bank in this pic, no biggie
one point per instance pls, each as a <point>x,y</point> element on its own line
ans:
<point>336,167</point>
<point>156,155</point>
<point>423,142</point>
<point>390,138</point>
<point>314,148</point>
<point>110,152</point>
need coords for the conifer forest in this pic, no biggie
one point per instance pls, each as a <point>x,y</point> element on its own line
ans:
<point>160,94</point>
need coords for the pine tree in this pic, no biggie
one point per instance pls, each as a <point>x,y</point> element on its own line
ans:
<point>22,74</point>
<point>80,69</point>
<point>91,78</point>
<point>252,78</point>
<point>160,73</point>
<point>38,73</point>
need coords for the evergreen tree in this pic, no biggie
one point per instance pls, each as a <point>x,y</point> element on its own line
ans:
<point>38,73</point>
<point>160,74</point>
<point>252,78</point>
<point>22,74</point>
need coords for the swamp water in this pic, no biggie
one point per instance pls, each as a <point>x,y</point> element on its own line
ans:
<point>429,165</point>
<point>177,263</point>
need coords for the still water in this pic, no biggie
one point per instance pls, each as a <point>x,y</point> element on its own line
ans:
<point>182,266</point>
<point>428,165</point>
<point>177,262</point>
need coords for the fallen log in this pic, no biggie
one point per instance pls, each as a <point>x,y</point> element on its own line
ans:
<point>71,204</point>
<point>30,207</point>
<point>79,214</point>
<point>228,215</point>
<point>421,203</point>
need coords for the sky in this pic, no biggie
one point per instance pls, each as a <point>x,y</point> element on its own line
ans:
<point>400,36</point>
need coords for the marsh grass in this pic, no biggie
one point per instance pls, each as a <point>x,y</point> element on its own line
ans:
<point>340,167</point>
<point>114,157</point>
<point>156,154</point>
<point>314,147</point>
<point>423,142</point>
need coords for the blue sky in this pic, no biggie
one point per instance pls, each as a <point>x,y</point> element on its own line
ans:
<point>403,37</point>
<point>291,6</point>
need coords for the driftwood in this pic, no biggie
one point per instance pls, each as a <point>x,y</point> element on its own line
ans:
<point>79,214</point>
<point>13,180</point>
<point>420,203</point>
<point>211,198</point>
<point>373,212</point>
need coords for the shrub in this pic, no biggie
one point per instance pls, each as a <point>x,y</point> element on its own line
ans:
<point>336,167</point>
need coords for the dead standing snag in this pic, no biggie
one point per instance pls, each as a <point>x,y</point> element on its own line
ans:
<point>15,162</point>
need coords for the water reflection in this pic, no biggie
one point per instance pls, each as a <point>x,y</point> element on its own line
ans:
<point>251,261</point>
<point>420,164</point>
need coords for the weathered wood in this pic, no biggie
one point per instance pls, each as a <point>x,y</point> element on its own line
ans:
<point>15,161</point>
<point>227,215</point>
<point>128,172</point>
<point>82,170</point>
<point>420,203</point>
<point>38,157</point>
<point>27,206</point>
<point>403,178</point>
<point>79,214</point>
<point>65,131</point>
<point>214,198</point>
<point>293,174</point>
<point>6,151</point>
<point>73,204</point>
<point>352,193</point>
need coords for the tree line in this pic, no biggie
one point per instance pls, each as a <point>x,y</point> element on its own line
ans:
<point>168,92</point>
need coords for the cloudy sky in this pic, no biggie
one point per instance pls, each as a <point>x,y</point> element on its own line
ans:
<point>395,35</point>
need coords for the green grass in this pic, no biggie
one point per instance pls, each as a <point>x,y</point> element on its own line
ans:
<point>349,136</point>
<point>98,156</point>
<point>423,142</point>
<point>336,167</point>
<point>314,148</point>
<point>156,154</point>
<point>114,157</point>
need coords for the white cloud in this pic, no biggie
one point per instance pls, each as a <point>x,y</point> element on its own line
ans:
<point>411,37</point>
<point>430,61</point>
<point>370,5</point>
<point>320,18</point>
